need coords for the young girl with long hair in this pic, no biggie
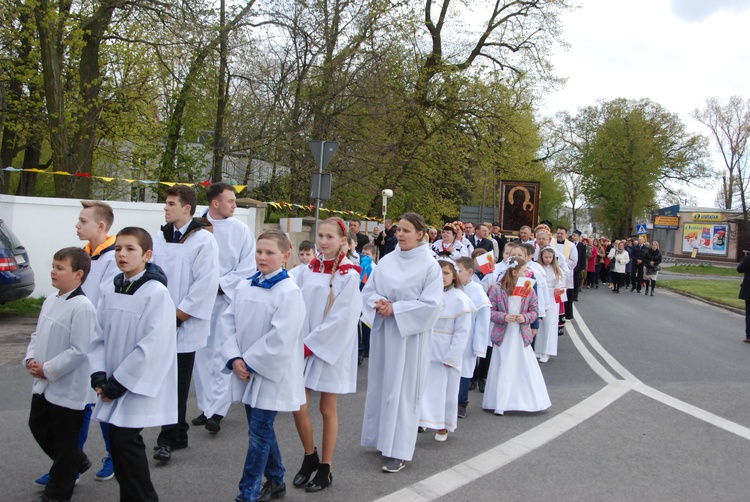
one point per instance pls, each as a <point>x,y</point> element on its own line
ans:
<point>546,339</point>
<point>515,381</point>
<point>330,288</point>
<point>449,339</point>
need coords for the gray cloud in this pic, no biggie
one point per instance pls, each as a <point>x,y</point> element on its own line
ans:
<point>698,10</point>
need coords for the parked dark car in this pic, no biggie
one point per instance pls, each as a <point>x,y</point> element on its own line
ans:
<point>16,275</point>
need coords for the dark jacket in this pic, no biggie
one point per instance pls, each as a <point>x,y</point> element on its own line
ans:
<point>744,268</point>
<point>652,256</point>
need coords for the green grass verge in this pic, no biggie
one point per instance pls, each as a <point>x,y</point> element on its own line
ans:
<point>703,270</point>
<point>724,292</point>
<point>27,307</point>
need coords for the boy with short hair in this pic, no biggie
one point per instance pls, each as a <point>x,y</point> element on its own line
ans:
<point>479,339</point>
<point>133,361</point>
<point>56,358</point>
<point>265,353</point>
<point>94,221</point>
<point>305,254</point>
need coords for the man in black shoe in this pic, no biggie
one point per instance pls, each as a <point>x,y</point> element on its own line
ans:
<point>637,257</point>
<point>570,253</point>
<point>187,252</point>
<point>236,244</point>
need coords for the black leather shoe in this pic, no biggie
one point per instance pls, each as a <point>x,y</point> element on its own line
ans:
<point>199,420</point>
<point>271,491</point>
<point>163,453</point>
<point>85,465</point>
<point>310,464</point>
<point>213,424</point>
<point>360,358</point>
<point>482,384</point>
<point>473,385</point>
<point>322,480</point>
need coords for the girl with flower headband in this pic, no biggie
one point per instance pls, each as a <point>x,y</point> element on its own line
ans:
<point>449,246</point>
<point>330,288</point>
<point>515,381</point>
<point>545,344</point>
<point>449,338</point>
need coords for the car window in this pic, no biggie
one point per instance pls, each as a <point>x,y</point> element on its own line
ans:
<point>7,239</point>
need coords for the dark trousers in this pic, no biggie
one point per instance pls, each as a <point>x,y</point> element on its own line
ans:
<point>131,465</point>
<point>176,435</point>
<point>364,337</point>
<point>463,391</point>
<point>747,319</point>
<point>569,303</point>
<point>617,278</point>
<point>55,429</point>
<point>483,367</point>
<point>636,276</point>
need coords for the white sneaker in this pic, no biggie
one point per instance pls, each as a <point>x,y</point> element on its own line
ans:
<point>543,358</point>
<point>498,413</point>
<point>441,437</point>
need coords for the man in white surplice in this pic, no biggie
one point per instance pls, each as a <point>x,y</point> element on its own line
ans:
<point>236,262</point>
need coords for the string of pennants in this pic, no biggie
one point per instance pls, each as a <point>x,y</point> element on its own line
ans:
<point>311,207</point>
<point>205,183</point>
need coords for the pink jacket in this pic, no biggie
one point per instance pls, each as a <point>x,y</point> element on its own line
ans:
<point>499,309</point>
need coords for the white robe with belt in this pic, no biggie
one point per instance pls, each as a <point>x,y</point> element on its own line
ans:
<point>449,340</point>
<point>400,347</point>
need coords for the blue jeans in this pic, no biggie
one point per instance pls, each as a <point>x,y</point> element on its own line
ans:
<point>263,455</point>
<point>463,391</point>
<point>83,434</point>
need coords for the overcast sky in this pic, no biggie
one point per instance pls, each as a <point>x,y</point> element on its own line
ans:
<point>678,53</point>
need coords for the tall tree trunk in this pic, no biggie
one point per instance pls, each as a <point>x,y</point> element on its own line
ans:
<point>221,101</point>
<point>31,158</point>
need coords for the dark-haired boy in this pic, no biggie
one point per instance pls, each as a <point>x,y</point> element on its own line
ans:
<point>56,358</point>
<point>236,245</point>
<point>265,353</point>
<point>189,256</point>
<point>133,361</point>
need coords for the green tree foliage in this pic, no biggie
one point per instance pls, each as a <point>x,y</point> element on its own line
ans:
<point>628,153</point>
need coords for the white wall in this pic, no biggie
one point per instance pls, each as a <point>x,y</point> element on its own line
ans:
<point>45,225</point>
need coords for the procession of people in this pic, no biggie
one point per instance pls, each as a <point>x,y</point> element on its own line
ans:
<point>141,315</point>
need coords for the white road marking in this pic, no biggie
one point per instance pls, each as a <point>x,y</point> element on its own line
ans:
<point>449,480</point>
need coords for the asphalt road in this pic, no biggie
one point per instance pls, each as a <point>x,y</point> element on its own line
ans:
<point>649,402</point>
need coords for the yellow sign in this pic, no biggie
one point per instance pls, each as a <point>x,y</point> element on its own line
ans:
<point>708,217</point>
<point>666,221</point>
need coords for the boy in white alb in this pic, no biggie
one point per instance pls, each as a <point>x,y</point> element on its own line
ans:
<point>189,256</point>
<point>236,262</point>
<point>305,254</point>
<point>265,353</point>
<point>133,361</point>
<point>94,221</point>
<point>479,339</point>
<point>56,358</point>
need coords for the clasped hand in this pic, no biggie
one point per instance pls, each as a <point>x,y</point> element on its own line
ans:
<point>384,307</point>
<point>514,318</point>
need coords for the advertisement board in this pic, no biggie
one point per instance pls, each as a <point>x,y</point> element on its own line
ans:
<point>705,238</point>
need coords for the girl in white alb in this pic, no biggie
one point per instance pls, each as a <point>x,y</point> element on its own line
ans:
<point>545,344</point>
<point>449,339</point>
<point>330,288</point>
